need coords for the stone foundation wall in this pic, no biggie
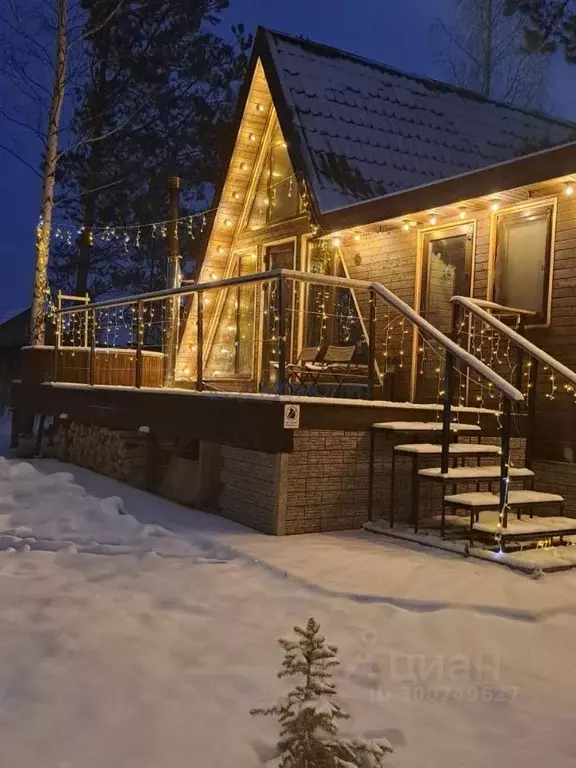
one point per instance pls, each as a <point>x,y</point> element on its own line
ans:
<point>558,477</point>
<point>250,488</point>
<point>326,479</point>
<point>321,486</point>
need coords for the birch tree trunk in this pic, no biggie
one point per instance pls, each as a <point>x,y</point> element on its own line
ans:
<point>37,322</point>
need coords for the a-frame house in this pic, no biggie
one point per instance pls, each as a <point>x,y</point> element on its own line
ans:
<point>422,245</point>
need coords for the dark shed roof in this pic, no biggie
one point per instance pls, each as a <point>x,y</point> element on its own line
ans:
<point>14,328</point>
<point>366,130</point>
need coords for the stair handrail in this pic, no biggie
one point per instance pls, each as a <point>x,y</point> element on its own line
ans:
<point>476,307</point>
<point>503,309</point>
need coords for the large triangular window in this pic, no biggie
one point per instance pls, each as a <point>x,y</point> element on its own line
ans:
<point>277,197</point>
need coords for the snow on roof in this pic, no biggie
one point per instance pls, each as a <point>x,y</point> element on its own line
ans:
<point>370,130</point>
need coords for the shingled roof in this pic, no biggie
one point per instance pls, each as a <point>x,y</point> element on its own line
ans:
<point>365,130</point>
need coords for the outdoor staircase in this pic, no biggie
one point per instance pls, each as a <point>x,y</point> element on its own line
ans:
<point>476,515</point>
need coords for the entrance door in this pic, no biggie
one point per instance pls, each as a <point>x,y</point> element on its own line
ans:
<point>276,257</point>
<point>447,257</point>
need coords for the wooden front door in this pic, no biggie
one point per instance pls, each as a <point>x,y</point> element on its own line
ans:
<point>447,264</point>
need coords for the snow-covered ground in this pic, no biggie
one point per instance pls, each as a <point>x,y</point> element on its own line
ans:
<point>127,659</point>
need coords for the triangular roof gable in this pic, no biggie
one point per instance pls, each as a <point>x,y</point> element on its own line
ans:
<point>255,120</point>
<point>359,130</point>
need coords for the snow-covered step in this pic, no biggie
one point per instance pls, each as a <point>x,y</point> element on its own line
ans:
<point>454,449</point>
<point>461,474</point>
<point>424,427</point>
<point>487,500</point>
<point>529,527</point>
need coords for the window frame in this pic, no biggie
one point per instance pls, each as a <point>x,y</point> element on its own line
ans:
<point>544,318</point>
<point>297,244</point>
<point>446,229</point>
<point>237,255</point>
<point>307,244</point>
<point>444,232</point>
<point>264,165</point>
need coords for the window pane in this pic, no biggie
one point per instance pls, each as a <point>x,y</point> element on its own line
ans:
<point>521,266</point>
<point>283,191</point>
<point>446,276</point>
<point>231,353</point>
<point>221,361</point>
<point>331,315</point>
<point>277,196</point>
<point>246,316</point>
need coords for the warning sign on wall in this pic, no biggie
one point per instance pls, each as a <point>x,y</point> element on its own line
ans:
<point>291,416</point>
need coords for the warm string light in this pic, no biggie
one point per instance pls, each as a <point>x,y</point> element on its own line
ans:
<point>433,217</point>
<point>194,223</point>
<point>552,379</point>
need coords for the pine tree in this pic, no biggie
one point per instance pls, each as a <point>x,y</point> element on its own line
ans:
<point>157,102</point>
<point>549,25</point>
<point>309,734</point>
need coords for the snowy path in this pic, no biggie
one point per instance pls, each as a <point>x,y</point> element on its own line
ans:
<point>137,661</point>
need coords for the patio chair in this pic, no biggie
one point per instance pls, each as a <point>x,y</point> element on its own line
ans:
<point>333,369</point>
<point>297,372</point>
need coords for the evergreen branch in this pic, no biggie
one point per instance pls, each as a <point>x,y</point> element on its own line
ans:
<point>99,27</point>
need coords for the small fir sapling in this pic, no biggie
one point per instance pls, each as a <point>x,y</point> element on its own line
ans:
<point>309,734</point>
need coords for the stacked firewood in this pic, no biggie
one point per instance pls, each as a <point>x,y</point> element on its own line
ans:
<point>116,453</point>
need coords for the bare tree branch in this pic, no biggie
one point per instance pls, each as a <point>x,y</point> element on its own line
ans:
<point>18,157</point>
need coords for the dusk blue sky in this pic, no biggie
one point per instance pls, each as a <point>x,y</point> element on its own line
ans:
<point>396,32</point>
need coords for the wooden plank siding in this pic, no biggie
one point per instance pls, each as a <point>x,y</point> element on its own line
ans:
<point>112,366</point>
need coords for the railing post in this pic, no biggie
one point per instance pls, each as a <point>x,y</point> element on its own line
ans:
<point>532,396</point>
<point>447,412</point>
<point>87,301</point>
<point>520,357</point>
<point>92,373</point>
<point>371,344</point>
<point>200,342</point>
<point>455,322</point>
<point>505,461</point>
<point>281,300</point>
<point>172,334</point>
<point>57,341</point>
<point>139,343</point>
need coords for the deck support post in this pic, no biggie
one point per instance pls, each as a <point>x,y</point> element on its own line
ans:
<point>371,476</point>
<point>139,342</point>
<point>447,411</point>
<point>371,344</point>
<point>281,335</point>
<point>200,342</point>
<point>505,461</point>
